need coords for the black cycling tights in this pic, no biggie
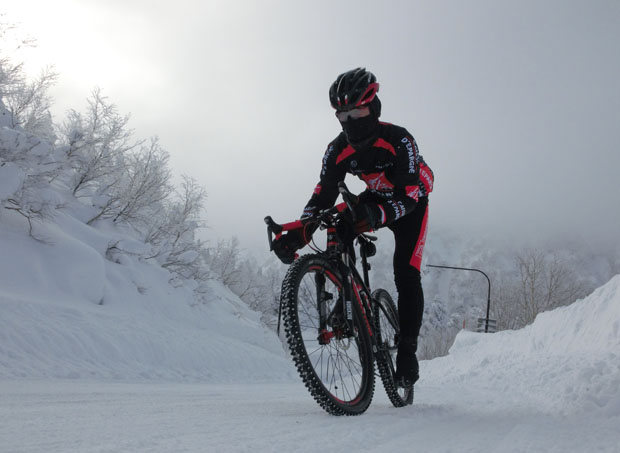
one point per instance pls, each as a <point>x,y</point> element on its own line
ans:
<point>409,237</point>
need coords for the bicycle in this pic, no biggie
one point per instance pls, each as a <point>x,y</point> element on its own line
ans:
<point>335,327</point>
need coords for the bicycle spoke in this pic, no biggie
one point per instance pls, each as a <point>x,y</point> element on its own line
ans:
<point>344,384</point>
<point>337,369</point>
<point>331,362</point>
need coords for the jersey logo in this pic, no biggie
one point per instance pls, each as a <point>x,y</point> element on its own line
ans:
<point>413,192</point>
<point>416,258</point>
<point>377,181</point>
<point>411,153</point>
<point>329,151</point>
<point>426,176</point>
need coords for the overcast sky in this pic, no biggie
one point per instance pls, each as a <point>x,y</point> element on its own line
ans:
<point>515,105</point>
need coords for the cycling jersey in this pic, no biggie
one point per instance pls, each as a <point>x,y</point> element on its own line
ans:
<point>398,182</point>
<point>395,173</point>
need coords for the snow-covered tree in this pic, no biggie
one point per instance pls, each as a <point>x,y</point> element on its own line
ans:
<point>544,281</point>
<point>172,228</point>
<point>95,144</point>
<point>27,156</point>
<point>257,283</point>
<point>30,102</point>
<point>140,181</point>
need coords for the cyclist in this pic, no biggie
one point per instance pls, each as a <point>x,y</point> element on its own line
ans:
<point>398,182</point>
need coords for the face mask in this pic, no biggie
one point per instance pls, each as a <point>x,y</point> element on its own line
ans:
<point>360,130</point>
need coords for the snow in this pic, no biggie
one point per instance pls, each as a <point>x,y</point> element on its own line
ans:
<point>95,416</point>
<point>567,362</point>
<point>11,179</point>
<point>100,351</point>
<point>98,355</point>
<point>68,312</point>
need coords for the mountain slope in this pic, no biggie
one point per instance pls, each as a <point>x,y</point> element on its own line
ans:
<point>67,311</point>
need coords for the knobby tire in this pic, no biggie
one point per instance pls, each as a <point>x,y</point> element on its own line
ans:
<point>387,332</point>
<point>340,374</point>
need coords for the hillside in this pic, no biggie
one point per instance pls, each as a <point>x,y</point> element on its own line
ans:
<point>68,312</point>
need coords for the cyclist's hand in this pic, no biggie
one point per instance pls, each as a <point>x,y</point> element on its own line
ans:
<point>286,246</point>
<point>367,217</point>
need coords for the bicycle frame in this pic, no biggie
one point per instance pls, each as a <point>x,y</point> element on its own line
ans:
<point>326,300</point>
<point>354,284</point>
<point>356,287</point>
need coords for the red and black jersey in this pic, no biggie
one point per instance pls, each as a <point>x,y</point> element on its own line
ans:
<point>395,174</point>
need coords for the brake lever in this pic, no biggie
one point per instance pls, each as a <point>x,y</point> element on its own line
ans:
<point>349,199</point>
<point>272,227</point>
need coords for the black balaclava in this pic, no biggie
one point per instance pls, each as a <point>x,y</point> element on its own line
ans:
<point>363,131</point>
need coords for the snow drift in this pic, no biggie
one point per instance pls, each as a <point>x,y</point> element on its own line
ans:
<point>567,361</point>
<point>68,312</point>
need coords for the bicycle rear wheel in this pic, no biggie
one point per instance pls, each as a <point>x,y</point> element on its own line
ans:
<point>387,332</point>
<point>335,361</point>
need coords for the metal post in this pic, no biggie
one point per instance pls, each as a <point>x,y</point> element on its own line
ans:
<point>486,324</point>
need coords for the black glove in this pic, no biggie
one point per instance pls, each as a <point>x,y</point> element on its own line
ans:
<point>287,244</point>
<point>367,217</point>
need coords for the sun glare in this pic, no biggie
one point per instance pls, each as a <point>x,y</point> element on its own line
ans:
<point>85,43</point>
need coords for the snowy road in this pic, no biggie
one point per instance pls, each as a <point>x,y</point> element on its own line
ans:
<point>88,416</point>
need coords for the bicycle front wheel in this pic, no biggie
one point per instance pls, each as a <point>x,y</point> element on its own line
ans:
<point>387,331</point>
<point>333,357</point>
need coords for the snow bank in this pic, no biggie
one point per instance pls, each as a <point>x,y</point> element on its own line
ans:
<point>567,361</point>
<point>11,179</point>
<point>68,312</point>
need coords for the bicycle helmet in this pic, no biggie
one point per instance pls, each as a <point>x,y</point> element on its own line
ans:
<point>352,89</point>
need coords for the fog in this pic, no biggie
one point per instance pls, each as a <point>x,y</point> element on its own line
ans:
<point>514,105</point>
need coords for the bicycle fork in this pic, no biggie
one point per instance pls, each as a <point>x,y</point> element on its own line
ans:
<point>339,322</point>
<point>322,299</point>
